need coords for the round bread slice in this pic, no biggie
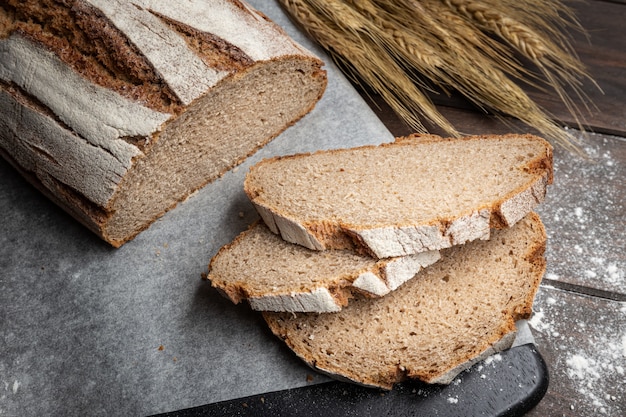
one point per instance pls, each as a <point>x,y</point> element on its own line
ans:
<point>396,199</point>
<point>460,310</point>
<point>275,275</point>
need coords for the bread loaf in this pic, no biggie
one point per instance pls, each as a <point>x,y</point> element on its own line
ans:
<point>119,109</point>
<point>416,194</point>
<point>275,275</point>
<point>460,310</point>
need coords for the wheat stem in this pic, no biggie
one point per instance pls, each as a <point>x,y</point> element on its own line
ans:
<point>349,41</point>
<point>539,40</point>
<point>449,43</point>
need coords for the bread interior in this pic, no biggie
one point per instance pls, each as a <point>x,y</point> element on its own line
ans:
<point>215,133</point>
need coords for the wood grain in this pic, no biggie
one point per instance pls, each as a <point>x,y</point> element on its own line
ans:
<point>603,54</point>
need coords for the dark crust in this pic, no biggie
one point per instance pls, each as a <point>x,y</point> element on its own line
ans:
<point>79,207</point>
<point>87,41</point>
<point>94,217</point>
<point>214,51</point>
<point>88,213</point>
<point>536,257</point>
<point>83,38</point>
<point>31,101</point>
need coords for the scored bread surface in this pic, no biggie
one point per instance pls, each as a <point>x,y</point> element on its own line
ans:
<point>275,275</point>
<point>459,310</point>
<point>119,109</point>
<point>417,194</point>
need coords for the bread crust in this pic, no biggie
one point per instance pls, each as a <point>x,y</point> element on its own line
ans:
<point>365,343</point>
<point>400,239</point>
<point>113,80</point>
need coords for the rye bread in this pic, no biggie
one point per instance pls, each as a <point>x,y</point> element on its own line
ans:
<point>274,275</point>
<point>416,194</point>
<point>460,310</point>
<point>119,109</point>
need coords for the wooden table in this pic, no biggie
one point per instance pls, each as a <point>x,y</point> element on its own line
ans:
<point>579,320</point>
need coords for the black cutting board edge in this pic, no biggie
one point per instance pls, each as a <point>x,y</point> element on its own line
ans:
<point>507,384</point>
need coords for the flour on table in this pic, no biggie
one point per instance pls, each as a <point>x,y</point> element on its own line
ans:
<point>593,363</point>
<point>584,215</point>
<point>493,358</point>
<point>537,321</point>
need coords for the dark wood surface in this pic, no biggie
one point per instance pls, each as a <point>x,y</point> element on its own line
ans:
<point>579,320</point>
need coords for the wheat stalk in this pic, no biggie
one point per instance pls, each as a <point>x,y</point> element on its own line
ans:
<point>540,40</point>
<point>348,40</point>
<point>450,44</point>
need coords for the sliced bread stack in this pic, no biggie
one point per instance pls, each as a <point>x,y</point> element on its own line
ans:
<point>345,231</point>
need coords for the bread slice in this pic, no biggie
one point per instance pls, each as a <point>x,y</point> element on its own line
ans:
<point>416,194</point>
<point>275,275</point>
<point>119,109</point>
<point>460,310</point>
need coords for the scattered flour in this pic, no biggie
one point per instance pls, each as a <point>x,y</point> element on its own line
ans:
<point>552,276</point>
<point>584,216</point>
<point>493,358</point>
<point>614,274</point>
<point>579,212</point>
<point>453,400</point>
<point>581,367</point>
<point>589,370</point>
<point>537,323</point>
<point>592,363</point>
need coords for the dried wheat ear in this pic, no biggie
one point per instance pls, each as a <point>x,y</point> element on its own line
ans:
<point>402,48</point>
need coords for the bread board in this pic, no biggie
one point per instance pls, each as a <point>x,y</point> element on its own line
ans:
<point>510,385</point>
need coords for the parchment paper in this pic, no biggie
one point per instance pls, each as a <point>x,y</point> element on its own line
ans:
<point>91,330</point>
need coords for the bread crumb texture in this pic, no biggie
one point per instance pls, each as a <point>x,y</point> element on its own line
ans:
<point>276,275</point>
<point>417,189</point>
<point>459,308</point>
<point>119,109</point>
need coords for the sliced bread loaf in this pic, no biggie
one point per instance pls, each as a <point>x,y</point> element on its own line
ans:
<point>458,311</point>
<point>275,275</point>
<point>416,194</point>
<point>119,109</point>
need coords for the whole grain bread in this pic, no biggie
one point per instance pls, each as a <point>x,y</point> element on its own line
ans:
<point>418,193</point>
<point>275,275</point>
<point>460,310</point>
<point>119,109</point>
